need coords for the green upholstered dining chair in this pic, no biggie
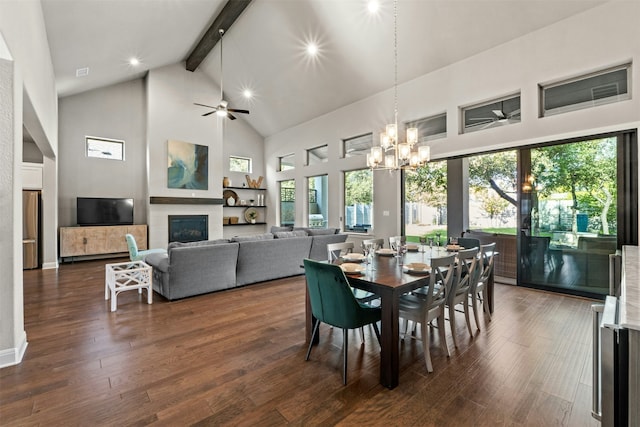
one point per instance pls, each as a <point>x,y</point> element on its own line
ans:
<point>333,303</point>
<point>134,253</point>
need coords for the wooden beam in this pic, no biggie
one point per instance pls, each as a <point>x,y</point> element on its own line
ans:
<point>230,12</point>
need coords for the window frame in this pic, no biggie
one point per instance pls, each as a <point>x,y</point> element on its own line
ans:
<point>463,110</point>
<point>356,153</point>
<point>281,163</point>
<point>280,201</point>
<point>423,136</point>
<point>106,141</point>
<point>309,151</point>
<point>363,230</point>
<point>241,158</point>
<point>543,87</point>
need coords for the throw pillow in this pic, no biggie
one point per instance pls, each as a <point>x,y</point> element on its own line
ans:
<point>287,234</point>
<point>275,228</point>
<point>265,236</point>
<point>320,231</point>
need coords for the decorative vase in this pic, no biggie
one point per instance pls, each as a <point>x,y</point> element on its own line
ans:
<point>253,221</point>
<point>231,201</point>
<point>226,182</point>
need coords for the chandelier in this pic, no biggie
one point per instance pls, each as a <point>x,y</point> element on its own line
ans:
<point>392,153</point>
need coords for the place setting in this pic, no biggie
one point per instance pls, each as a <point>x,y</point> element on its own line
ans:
<point>353,257</point>
<point>352,268</point>
<point>386,252</point>
<point>417,268</point>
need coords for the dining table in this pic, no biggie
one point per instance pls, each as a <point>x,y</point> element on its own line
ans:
<point>386,275</point>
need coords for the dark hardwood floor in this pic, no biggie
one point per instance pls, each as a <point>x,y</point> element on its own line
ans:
<point>237,358</point>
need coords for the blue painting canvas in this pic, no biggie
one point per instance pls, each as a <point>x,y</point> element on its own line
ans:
<point>188,165</point>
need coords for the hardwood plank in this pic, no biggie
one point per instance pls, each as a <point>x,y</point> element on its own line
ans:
<point>237,357</point>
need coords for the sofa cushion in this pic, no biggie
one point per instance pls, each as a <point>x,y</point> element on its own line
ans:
<point>319,245</point>
<point>159,261</point>
<point>286,234</point>
<point>275,228</point>
<point>200,269</point>
<point>265,236</point>
<point>174,245</point>
<point>271,259</point>
<point>198,243</point>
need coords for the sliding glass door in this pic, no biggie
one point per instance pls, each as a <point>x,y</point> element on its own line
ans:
<point>569,215</point>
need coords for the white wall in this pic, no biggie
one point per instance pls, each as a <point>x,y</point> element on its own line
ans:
<point>29,96</point>
<point>171,115</point>
<point>113,112</point>
<point>599,38</point>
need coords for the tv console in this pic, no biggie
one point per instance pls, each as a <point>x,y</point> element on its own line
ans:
<point>99,240</point>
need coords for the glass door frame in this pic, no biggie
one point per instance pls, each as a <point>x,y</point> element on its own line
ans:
<point>627,200</point>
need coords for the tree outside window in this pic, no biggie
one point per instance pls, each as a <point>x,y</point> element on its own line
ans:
<point>358,200</point>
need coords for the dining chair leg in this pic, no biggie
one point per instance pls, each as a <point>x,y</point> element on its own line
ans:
<point>485,304</point>
<point>345,345</point>
<point>377,331</point>
<point>313,336</point>
<point>425,345</point>
<point>466,317</point>
<point>474,305</point>
<point>362,334</point>
<point>452,323</point>
<point>443,335</point>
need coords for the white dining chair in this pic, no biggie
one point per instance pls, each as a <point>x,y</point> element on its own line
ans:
<point>430,304</point>
<point>478,290</point>
<point>336,250</point>
<point>460,289</point>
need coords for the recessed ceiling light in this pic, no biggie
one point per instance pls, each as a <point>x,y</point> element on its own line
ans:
<point>373,6</point>
<point>312,49</point>
<point>247,94</point>
<point>134,62</point>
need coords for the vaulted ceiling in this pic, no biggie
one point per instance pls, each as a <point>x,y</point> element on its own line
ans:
<point>265,49</point>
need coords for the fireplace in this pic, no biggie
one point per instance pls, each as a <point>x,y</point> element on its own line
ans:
<point>188,228</point>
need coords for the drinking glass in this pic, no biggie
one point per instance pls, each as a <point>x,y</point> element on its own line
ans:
<point>366,250</point>
<point>423,241</point>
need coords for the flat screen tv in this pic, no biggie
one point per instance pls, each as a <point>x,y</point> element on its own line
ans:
<point>104,211</point>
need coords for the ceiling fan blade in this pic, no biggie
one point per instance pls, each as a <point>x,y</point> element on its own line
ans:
<point>203,105</point>
<point>499,114</point>
<point>238,111</point>
<point>484,119</point>
<point>231,116</point>
<point>209,113</point>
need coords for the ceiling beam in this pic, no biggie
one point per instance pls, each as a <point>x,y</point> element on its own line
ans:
<point>230,12</point>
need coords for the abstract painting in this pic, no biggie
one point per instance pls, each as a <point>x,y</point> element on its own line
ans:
<point>188,165</point>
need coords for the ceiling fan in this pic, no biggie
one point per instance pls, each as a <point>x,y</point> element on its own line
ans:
<point>222,109</point>
<point>500,117</point>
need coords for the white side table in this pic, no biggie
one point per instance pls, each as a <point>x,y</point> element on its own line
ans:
<point>126,276</point>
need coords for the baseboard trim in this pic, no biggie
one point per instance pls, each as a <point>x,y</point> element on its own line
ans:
<point>505,280</point>
<point>50,265</point>
<point>13,356</point>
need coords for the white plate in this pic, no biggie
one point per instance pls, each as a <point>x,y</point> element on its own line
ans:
<point>386,252</point>
<point>351,268</point>
<point>353,257</point>
<point>418,268</point>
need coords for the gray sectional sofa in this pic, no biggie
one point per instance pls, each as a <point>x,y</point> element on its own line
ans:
<point>189,269</point>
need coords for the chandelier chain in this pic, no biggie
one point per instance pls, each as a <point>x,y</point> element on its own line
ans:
<point>395,61</point>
